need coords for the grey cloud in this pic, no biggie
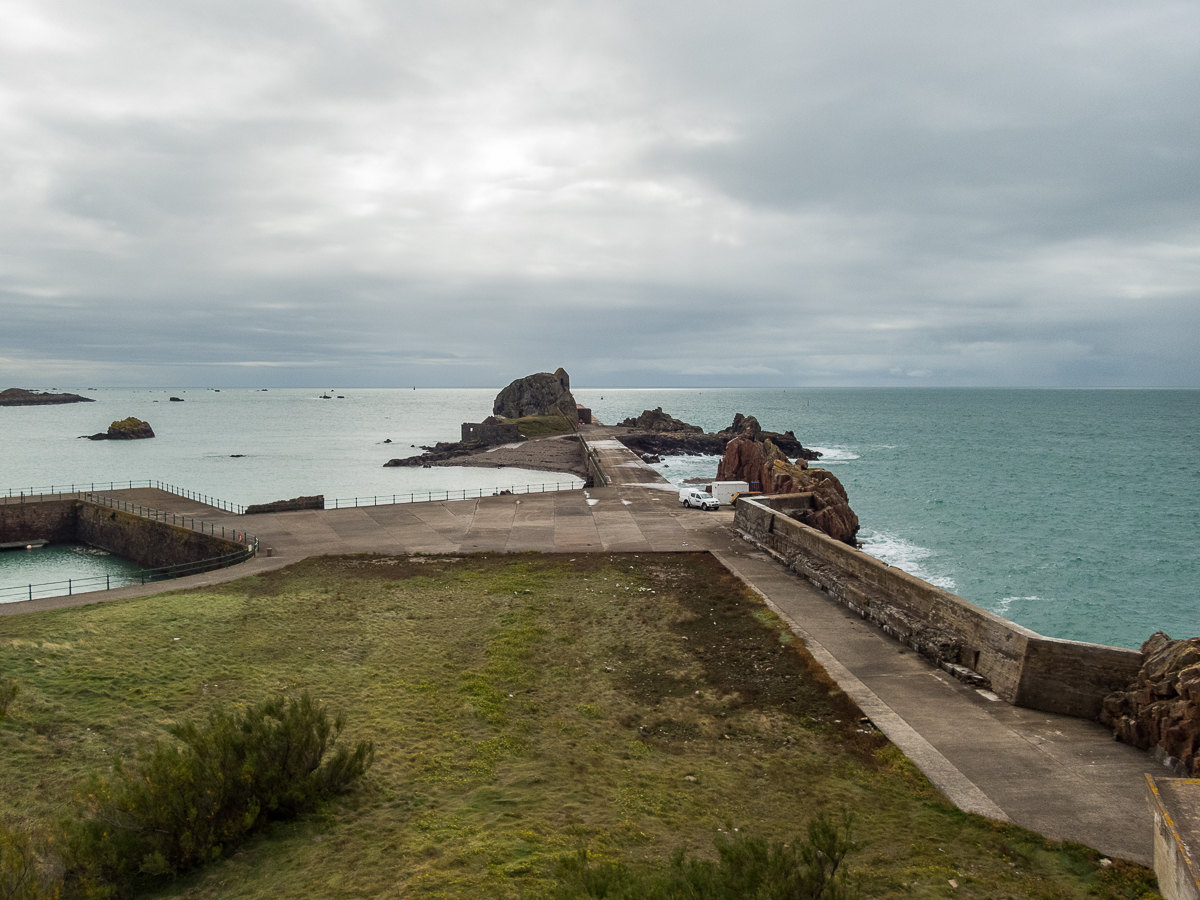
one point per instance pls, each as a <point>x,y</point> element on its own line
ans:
<point>816,193</point>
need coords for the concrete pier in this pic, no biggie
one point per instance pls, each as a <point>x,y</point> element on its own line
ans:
<point>1064,777</point>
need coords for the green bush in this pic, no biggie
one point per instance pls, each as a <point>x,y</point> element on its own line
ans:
<point>186,802</point>
<point>746,867</point>
<point>8,693</point>
<point>20,878</point>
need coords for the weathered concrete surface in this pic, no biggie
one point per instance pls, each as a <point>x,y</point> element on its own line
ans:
<point>1175,805</point>
<point>1061,776</point>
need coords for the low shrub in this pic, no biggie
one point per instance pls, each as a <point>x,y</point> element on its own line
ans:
<point>184,803</point>
<point>20,875</point>
<point>746,867</point>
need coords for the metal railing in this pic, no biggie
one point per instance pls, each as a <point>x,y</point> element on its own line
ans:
<point>189,522</point>
<point>461,494</point>
<point>72,586</point>
<point>248,550</point>
<point>79,489</point>
<point>82,487</point>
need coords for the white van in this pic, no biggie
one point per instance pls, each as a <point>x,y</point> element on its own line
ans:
<point>696,497</point>
<point>724,490</point>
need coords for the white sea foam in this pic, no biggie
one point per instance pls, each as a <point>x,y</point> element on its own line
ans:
<point>834,455</point>
<point>1003,605</point>
<point>677,469</point>
<point>896,551</point>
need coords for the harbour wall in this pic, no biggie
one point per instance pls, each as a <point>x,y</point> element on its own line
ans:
<point>1018,665</point>
<point>144,541</point>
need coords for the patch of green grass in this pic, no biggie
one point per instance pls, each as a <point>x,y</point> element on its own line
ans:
<point>523,708</point>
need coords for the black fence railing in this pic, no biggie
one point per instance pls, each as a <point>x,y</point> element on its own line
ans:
<point>72,586</point>
<point>90,487</point>
<point>248,549</point>
<point>191,523</point>
<point>461,494</point>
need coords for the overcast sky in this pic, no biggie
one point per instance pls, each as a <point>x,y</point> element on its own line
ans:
<point>363,193</point>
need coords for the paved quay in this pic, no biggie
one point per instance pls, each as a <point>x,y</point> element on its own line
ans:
<point>1065,778</point>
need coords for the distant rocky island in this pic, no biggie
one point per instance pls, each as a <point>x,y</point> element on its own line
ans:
<point>22,397</point>
<point>130,429</point>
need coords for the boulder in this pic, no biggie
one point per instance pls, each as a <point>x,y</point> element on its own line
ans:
<point>22,397</point>
<point>543,394</point>
<point>129,429</point>
<point>766,468</point>
<point>1161,707</point>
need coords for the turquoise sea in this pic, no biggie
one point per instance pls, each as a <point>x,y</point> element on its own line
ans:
<point>1075,513</point>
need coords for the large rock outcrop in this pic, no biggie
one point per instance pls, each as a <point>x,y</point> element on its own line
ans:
<point>1161,708</point>
<point>659,434</point>
<point>543,394</point>
<point>756,460</point>
<point>22,397</point>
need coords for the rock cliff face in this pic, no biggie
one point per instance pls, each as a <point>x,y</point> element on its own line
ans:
<point>543,394</point>
<point>1162,707</point>
<point>22,397</point>
<point>754,459</point>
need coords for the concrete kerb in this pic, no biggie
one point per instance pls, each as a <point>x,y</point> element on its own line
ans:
<point>944,775</point>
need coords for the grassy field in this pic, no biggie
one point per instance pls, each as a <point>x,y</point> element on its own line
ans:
<point>522,707</point>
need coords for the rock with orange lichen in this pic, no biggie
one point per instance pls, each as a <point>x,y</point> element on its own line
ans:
<point>765,468</point>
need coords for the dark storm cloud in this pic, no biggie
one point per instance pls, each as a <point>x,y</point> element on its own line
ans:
<point>357,192</point>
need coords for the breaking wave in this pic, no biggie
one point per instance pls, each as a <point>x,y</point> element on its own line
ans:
<point>896,551</point>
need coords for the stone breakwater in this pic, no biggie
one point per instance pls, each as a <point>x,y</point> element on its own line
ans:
<point>1018,665</point>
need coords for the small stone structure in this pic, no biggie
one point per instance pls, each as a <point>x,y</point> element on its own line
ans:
<point>490,431</point>
<point>1019,665</point>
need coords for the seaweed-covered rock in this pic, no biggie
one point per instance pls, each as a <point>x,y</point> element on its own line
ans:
<point>1161,708</point>
<point>543,394</point>
<point>130,429</point>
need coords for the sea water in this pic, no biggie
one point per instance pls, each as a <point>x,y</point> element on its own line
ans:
<point>1075,513</point>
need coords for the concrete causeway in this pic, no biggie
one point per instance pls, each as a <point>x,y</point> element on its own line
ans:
<point>1065,778</point>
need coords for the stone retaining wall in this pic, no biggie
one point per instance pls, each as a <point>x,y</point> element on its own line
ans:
<point>146,542</point>
<point>49,520</point>
<point>1019,665</point>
